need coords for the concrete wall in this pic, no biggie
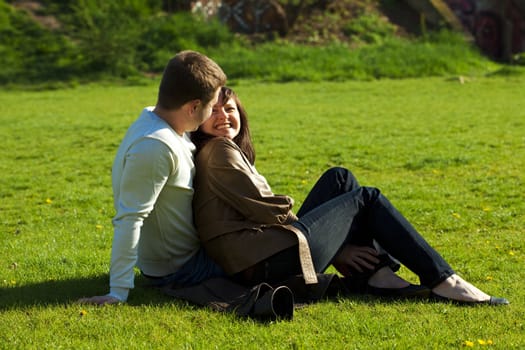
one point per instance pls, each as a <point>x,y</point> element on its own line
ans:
<point>498,26</point>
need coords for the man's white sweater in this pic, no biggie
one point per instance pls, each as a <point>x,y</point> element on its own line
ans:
<point>152,180</point>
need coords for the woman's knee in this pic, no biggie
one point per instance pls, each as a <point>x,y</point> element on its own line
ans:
<point>342,176</point>
<point>371,193</point>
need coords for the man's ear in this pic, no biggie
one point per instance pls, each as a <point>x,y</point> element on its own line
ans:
<point>192,106</point>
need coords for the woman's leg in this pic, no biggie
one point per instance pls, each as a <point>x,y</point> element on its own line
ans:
<point>397,236</point>
<point>333,183</point>
<point>366,213</point>
<point>328,226</point>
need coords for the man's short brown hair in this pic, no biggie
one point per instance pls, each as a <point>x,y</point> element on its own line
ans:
<point>189,76</point>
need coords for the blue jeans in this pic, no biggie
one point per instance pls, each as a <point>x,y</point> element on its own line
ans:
<point>338,211</point>
<point>199,268</point>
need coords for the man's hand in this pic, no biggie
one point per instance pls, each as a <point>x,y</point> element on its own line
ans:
<point>355,257</point>
<point>99,300</point>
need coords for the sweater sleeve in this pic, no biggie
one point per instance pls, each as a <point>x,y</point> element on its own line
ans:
<point>234,180</point>
<point>147,166</point>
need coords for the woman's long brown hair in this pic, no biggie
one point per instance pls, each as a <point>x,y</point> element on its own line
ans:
<point>243,139</point>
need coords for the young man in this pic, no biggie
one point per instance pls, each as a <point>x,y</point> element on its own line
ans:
<point>152,180</point>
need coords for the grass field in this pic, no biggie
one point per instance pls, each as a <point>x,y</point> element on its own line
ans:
<point>449,153</point>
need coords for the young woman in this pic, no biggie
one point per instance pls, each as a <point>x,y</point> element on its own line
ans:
<point>255,237</point>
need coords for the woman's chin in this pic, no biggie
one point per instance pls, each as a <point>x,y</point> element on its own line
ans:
<point>228,135</point>
<point>224,133</point>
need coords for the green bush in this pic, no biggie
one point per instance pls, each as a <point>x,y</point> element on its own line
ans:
<point>99,39</point>
<point>164,35</point>
<point>369,29</point>
<point>29,52</point>
<point>441,54</point>
<point>107,34</point>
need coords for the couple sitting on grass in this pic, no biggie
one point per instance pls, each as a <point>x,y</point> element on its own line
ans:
<point>227,222</point>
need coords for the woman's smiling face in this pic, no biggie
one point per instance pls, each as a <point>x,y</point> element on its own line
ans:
<point>224,121</point>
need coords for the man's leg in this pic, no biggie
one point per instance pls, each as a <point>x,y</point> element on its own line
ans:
<point>199,268</point>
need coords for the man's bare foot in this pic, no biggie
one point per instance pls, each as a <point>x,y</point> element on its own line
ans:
<point>456,288</point>
<point>385,283</point>
<point>386,278</point>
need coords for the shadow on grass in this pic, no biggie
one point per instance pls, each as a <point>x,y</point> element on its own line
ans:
<point>63,292</point>
<point>67,292</point>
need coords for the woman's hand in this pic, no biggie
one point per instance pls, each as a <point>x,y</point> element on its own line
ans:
<point>358,258</point>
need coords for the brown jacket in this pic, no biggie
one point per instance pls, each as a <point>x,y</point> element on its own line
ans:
<point>239,220</point>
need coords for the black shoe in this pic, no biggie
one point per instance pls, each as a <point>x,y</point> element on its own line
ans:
<point>497,301</point>
<point>410,291</point>
<point>492,301</point>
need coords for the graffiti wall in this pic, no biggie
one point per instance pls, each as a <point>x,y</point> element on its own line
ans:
<point>498,26</point>
<point>246,16</point>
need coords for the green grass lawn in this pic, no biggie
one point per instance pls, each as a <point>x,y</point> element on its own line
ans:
<point>449,155</point>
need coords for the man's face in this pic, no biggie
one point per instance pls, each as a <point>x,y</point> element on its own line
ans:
<point>203,112</point>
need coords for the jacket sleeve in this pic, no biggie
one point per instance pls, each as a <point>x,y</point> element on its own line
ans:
<point>234,180</point>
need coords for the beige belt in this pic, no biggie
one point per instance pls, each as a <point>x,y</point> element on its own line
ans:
<point>305,257</point>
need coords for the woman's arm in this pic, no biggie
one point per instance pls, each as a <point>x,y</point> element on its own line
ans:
<point>234,180</point>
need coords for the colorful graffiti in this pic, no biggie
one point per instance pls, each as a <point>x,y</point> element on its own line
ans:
<point>245,16</point>
<point>498,26</point>
<point>254,16</point>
